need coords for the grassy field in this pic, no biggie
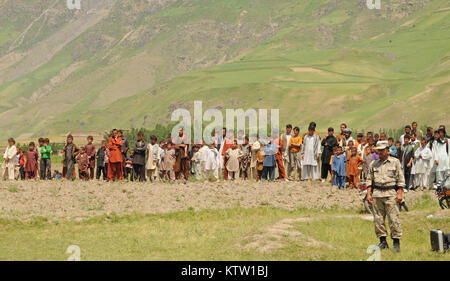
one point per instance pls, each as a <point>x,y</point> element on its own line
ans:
<point>263,233</point>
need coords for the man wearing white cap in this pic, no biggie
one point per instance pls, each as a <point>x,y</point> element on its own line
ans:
<point>386,181</point>
<point>347,138</point>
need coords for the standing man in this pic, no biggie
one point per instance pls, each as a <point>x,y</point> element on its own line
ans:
<point>441,155</point>
<point>429,136</point>
<point>385,191</point>
<point>347,138</point>
<point>341,137</point>
<point>407,132</point>
<point>406,159</point>
<point>285,138</point>
<point>182,163</point>
<point>416,130</point>
<point>328,143</point>
<point>310,153</point>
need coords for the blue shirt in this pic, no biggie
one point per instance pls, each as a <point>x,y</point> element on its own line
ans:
<point>339,165</point>
<point>393,150</point>
<point>270,152</point>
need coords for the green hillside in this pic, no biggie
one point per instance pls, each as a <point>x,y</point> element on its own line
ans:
<point>131,63</point>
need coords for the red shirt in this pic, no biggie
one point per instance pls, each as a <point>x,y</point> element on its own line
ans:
<point>115,150</point>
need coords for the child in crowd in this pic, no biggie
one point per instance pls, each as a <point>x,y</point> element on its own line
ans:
<point>162,168</point>
<point>361,146</point>
<point>129,167</point>
<point>153,157</point>
<point>398,150</point>
<point>339,168</point>
<point>46,152</point>
<point>39,162</point>
<point>355,162</point>
<point>295,145</point>
<point>196,168</point>
<point>376,138</point>
<point>168,162</point>
<point>57,175</point>
<point>202,154</point>
<point>162,143</point>
<point>83,164</point>
<point>367,158</point>
<point>70,152</point>
<point>392,147</point>
<point>31,164</point>
<point>269,163</point>
<point>101,165</point>
<point>21,164</point>
<point>212,162</point>
<point>350,145</point>
<point>245,160</point>
<point>90,151</point>
<point>233,156</point>
<point>331,164</point>
<point>260,160</point>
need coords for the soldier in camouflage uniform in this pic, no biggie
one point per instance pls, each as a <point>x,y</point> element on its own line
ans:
<point>386,181</point>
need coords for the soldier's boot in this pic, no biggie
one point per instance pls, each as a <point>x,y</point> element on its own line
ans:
<point>383,243</point>
<point>396,245</point>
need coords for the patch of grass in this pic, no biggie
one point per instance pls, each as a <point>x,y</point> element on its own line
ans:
<point>218,235</point>
<point>54,190</point>
<point>13,187</point>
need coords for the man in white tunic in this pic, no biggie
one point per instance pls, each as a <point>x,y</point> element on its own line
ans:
<point>422,166</point>
<point>441,155</point>
<point>310,155</point>
<point>10,160</point>
<point>285,138</point>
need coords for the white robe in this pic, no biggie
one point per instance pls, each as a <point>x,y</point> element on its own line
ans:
<point>440,154</point>
<point>9,168</point>
<point>422,166</point>
<point>211,158</point>
<point>310,149</point>
<point>151,159</point>
<point>202,152</point>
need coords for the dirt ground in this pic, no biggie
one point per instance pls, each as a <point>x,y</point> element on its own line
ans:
<point>78,200</point>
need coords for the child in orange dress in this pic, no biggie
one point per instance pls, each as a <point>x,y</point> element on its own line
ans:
<point>354,162</point>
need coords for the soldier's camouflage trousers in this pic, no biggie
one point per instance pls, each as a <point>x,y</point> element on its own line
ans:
<point>382,207</point>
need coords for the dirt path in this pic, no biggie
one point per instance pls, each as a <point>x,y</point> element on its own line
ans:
<point>80,200</point>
